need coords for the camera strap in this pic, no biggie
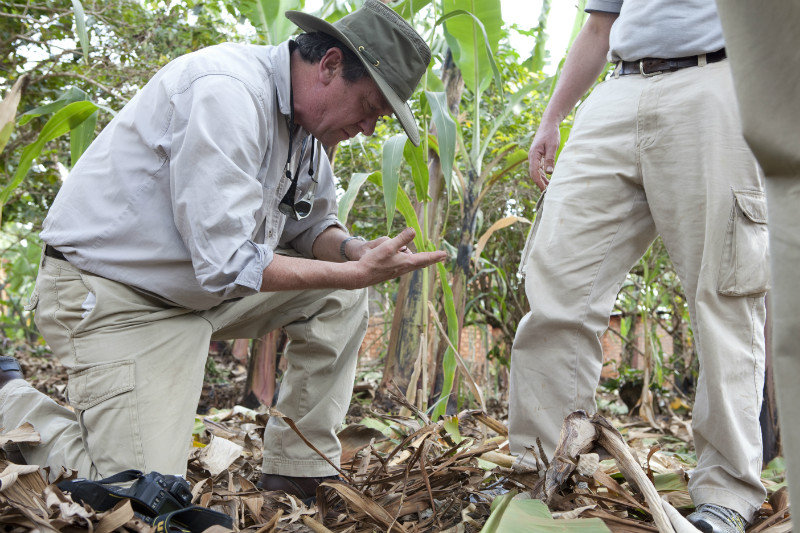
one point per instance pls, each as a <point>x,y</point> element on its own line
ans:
<point>176,516</point>
<point>193,519</point>
<point>103,494</point>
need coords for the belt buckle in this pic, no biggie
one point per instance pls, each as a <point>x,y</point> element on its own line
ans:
<point>647,74</point>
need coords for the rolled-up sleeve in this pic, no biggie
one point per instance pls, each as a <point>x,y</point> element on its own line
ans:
<point>607,6</point>
<point>301,234</point>
<point>217,130</point>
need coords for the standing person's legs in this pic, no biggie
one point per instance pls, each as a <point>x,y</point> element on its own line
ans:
<point>707,201</point>
<point>593,226</point>
<point>783,197</point>
<point>761,39</point>
<point>135,369</point>
<point>325,329</point>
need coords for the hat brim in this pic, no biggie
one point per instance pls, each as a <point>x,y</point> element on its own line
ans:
<point>310,23</point>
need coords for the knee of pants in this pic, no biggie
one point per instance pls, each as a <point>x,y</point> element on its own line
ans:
<point>361,307</point>
<point>337,321</point>
<point>354,304</point>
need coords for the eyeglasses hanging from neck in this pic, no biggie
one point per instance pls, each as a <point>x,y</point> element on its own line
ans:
<point>300,208</point>
<point>289,205</point>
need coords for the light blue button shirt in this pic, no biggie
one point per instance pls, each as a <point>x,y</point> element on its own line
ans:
<point>179,194</point>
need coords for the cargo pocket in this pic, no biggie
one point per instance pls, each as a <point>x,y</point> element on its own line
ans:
<point>104,401</point>
<point>523,262</point>
<point>744,268</point>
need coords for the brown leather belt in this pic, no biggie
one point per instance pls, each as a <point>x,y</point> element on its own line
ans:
<point>49,251</point>
<point>650,66</point>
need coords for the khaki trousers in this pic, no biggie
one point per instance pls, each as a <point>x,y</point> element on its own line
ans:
<point>646,156</point>
<point>762,43</point>
<point>135,369</point>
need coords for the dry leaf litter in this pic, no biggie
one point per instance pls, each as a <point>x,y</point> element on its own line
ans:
<point>405,473</point>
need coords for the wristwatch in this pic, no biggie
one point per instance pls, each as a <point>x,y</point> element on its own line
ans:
<point>344,243</point>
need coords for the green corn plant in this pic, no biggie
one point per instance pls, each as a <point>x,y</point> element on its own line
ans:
<point>267,17</point>
<point>472,32</point>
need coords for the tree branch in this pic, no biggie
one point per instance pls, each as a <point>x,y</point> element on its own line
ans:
<point>88,80</point>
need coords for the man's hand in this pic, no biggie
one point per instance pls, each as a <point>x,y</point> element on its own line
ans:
<point>385,258</point>
<point>356,248</point>
<point>541,157</point>
<point>377,260</point>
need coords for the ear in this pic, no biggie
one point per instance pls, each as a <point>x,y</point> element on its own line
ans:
<point>331,65</point>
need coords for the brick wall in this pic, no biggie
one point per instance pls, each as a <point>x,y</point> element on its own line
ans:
<point>475,345</point>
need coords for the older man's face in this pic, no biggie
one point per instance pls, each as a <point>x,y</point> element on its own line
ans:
<point>344,109</point>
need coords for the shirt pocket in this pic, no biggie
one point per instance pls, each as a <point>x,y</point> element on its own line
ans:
<point>744,264</point>
<point>526,250</point>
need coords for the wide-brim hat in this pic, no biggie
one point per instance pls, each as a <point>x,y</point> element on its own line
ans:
<point>394,54</point>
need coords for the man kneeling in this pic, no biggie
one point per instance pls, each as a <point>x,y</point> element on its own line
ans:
<point>164,237</point>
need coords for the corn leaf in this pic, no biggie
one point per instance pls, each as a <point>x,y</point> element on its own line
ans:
<point>267,16</point>
<point>445,133</point>
<point>390,169</point>
<point>449,358</point>
<point>72,94</point>
<point>403,205</point>
<point>81,137</point>
<point>349,196</point>
<point>511,516</point>
<point>63,121</point>
<point>539,49</point>
<point>415,157</point>
<point>500,224</point>
<point>410,216</point>
<point>473,42</point>
<point>80,29</point>
<point>408,8</point>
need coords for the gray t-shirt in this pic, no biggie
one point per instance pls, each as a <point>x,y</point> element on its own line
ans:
<point>661,28</point>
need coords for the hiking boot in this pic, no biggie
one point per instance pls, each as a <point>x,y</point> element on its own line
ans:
<point>9,369</point>
<point>711,518</point>
<point>304,488</point>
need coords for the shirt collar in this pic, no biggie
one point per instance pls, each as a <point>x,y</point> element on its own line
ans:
<point>283,85</point>
<point>283,82</point>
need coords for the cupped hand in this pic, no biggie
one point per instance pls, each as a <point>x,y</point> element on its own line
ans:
<point>384,258</point>
<point>541,157</point>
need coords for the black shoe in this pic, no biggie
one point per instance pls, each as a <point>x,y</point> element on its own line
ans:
<point>9,369</point>
<point>711,518</point>
<point>304,488</point>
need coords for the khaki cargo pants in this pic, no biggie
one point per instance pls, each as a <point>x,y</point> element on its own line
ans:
<point>135,371</point>
<point>648,156</point>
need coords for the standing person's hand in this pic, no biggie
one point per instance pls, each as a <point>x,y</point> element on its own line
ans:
<point>541,157</point>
